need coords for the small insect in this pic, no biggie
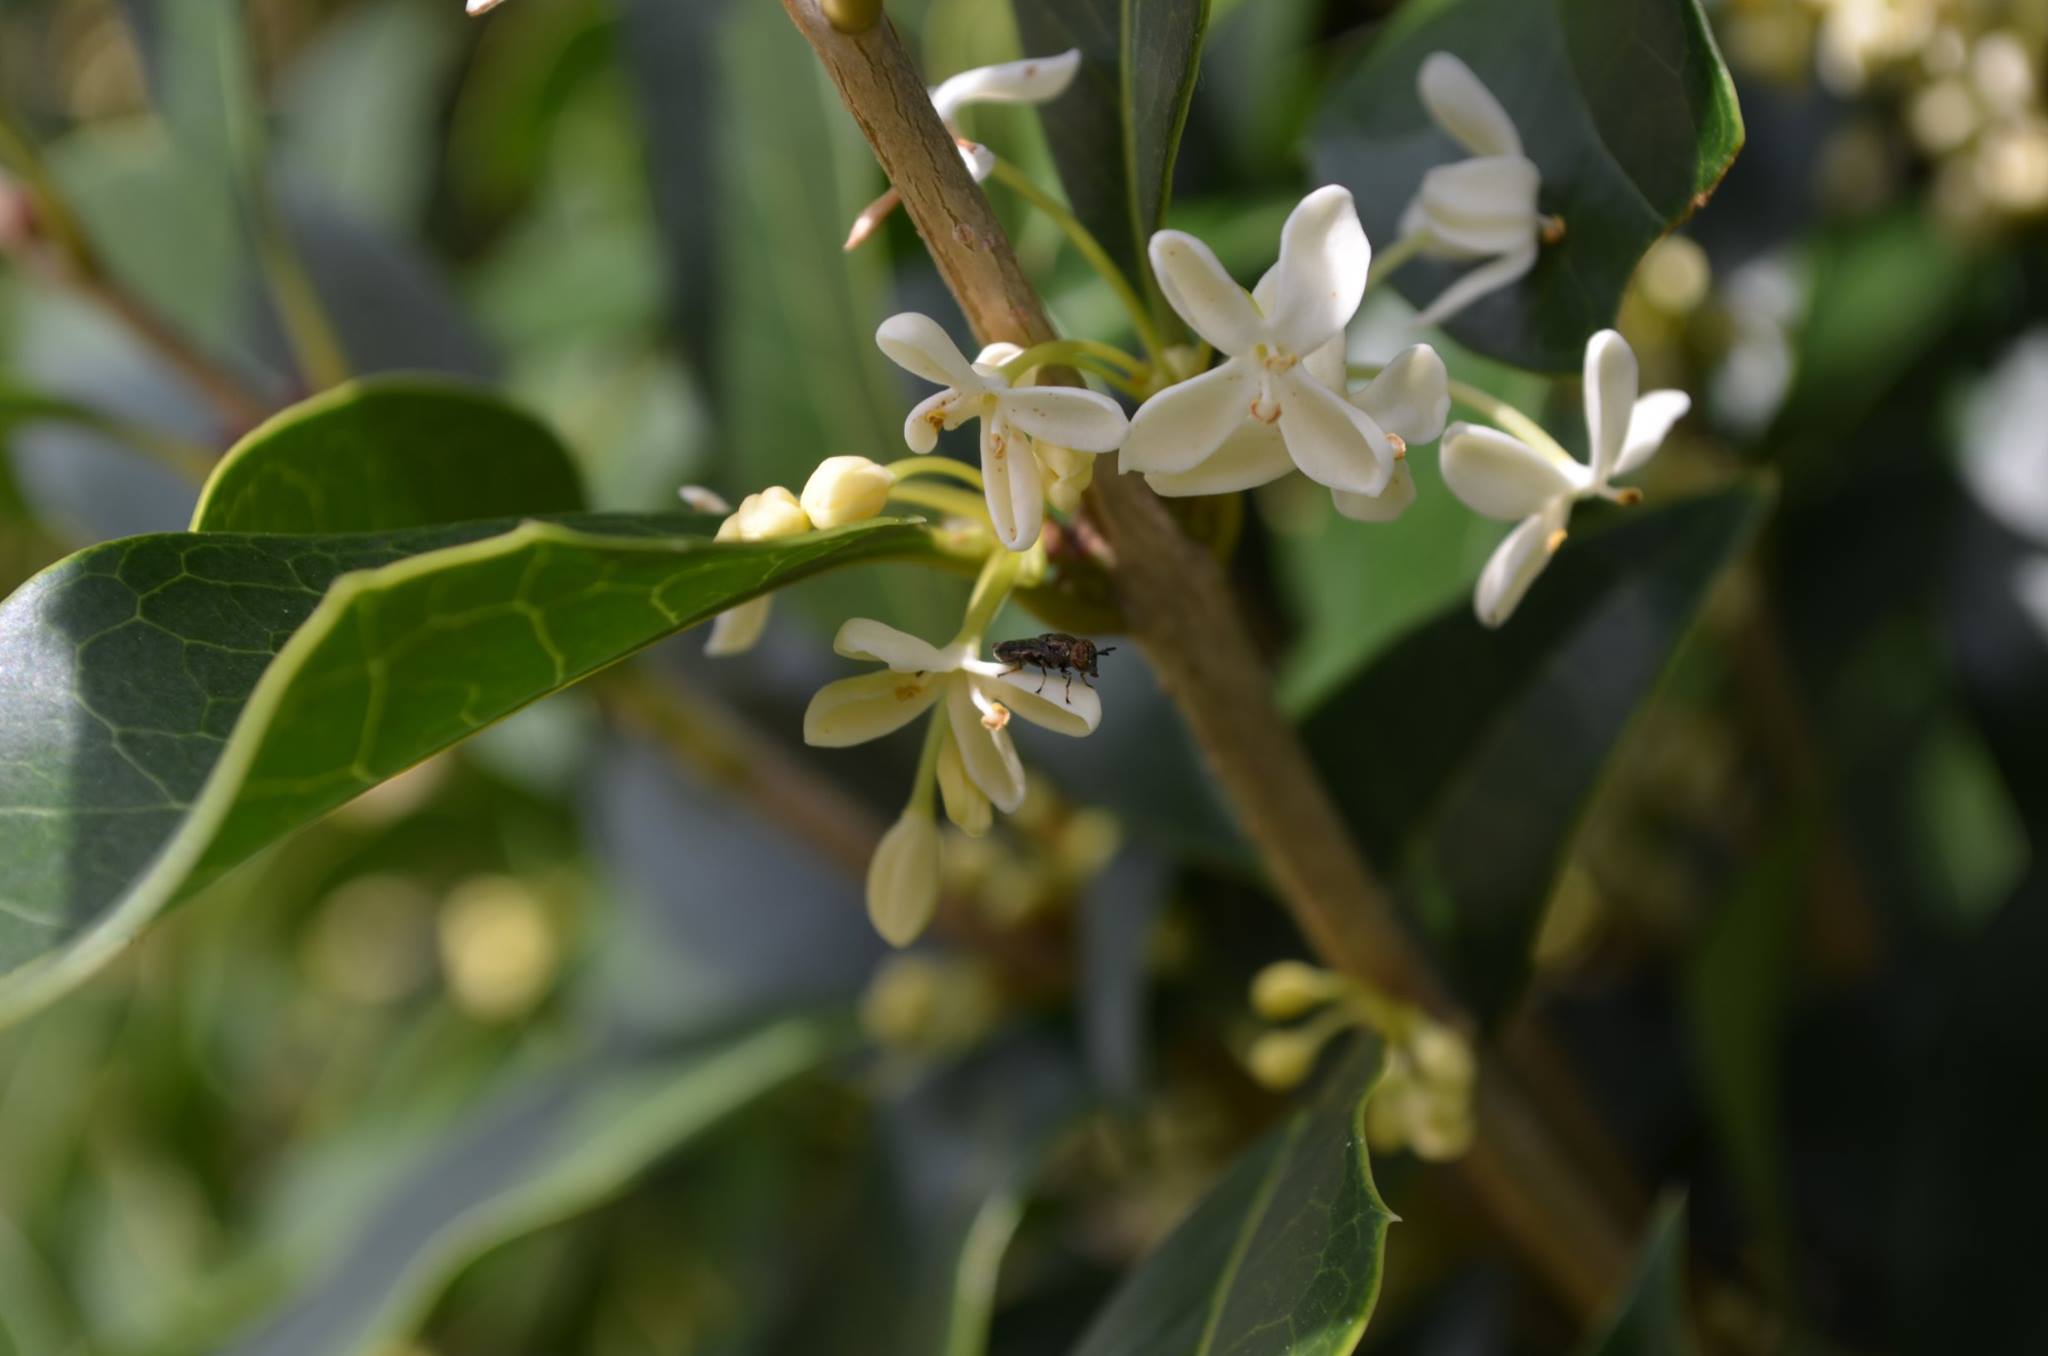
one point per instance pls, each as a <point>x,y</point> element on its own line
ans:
<point>1054,650</point>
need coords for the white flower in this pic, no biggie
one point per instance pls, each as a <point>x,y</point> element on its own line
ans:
<point>1409,400</point>
<point>1268,341</point>
<point>1483,208</point>
<point>903,878</point>
<point>980,698</point>
<point>1034,80</point>
<point>1018,424</point>
<point>774,512</point>
<point>845,490</point>
<point>1504,477</point>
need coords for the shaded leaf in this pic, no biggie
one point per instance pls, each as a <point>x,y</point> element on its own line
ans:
<point>1459,736</point>
<point>1651,1319</point>
<point>1282,1258</point>
<point>389,453</point>
<point>555,1144</point>
<point>1625,107</point>
<point>1116,132</point>
<point>170,704</point>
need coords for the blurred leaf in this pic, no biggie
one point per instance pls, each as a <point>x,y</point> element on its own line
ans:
<point>1460,736</point>
<point>169,704</point>
<point>1116,132</point>
<point>388,453</point>
<point>1625,107</point>
<point>1652,1318</point>
<point>1259,85</point>
<point>556,1144</point>
<point>1282,1258</point>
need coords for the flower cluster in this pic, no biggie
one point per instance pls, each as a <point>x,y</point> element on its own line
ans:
<point>1269,393</point>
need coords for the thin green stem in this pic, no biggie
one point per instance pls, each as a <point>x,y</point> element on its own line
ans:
<point>991,590</point>
<point>1393,256</point>
<point>942,498</point>
<point>1111,364</point>
<point>935,466</point>
<point>926,783</point>
<point>1091,249</point>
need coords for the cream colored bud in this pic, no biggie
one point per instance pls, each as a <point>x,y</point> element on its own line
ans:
<point>1068,474</point>
<point>1443,1057</point>
<point>774,512</point>
<point>1286,989</point>
<point>498,947</point>
<point>930,1002</point>
<point>846,490</point>
<point>1440,1125</point>
<point>1282,1060</point>
<point>903,878</point>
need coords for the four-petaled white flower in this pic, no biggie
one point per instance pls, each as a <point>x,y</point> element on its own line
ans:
<point>1034,80</point>
<point>1306,301</point>
<point>1506,478</point>
<point>980,698</point>
<point>1018,424</point>
<point>1483,208</point>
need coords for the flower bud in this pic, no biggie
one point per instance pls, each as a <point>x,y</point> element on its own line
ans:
<point>774,512</point>
<point>1286,989</point>
<point>846,490</point>
<point>1281,1060</point>
<point>1442,1057</point>
<point>930,1003</point>
<point>738,629</point>
<point>1067,475</point>
<point>903,878</point>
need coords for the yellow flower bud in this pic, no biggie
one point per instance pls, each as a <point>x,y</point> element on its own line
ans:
<point>1286,989</point>
<point>903,878</point>
<point>845,490</point>
<point>1067,475</point>
<point>1442,1056</point>
<point>774,512</point>
<point>1281,1060</point>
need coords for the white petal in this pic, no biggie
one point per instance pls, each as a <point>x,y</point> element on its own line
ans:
<point>1177,429</point>
<point>1648,425</point>
<point>1046,700</point>
<point>966,806</point>
<point>1202,294</point>
<point>1383,507</point>
<point>1610,388</point>
<point>1411,397</point>
<point>988,755</point>
<point>1254,455</point>
<point>855,710</point>
<point>1464,107</point>
<point>903,878</point>
<point>996,355</point>
<point>1079,420</point>
<point>1333,441</point>
<point>1516,562</point>
<point>1326,364</point>
<point>1504,477</point>
<point>921,426</point>
<point>918,345</point>
<point>1481,207</point>
<point>979,159</point>
<point>1034,80</point>
<point>1009,476</point>
<point>1490,276</point>
<point>738,629</point>
<point>1324,258</point>
<point>861,638</point>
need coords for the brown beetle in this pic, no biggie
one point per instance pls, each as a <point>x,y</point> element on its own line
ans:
<point>1055,650</point>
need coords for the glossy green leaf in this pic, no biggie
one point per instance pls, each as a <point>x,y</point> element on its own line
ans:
<point>1651,1319</point>
<point>1116,132</point>
<point>390,453</point>
<point>552,1145</point>
<point>1282,1258</point>
<point>170,704</point>
<point>1624,106</point>
<point>1459,736</point>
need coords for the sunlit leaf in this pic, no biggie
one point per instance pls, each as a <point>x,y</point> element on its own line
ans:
<point>1281,1258</point>
<point>1625,107</point>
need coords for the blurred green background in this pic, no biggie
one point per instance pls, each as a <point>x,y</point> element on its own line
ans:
<point>558,1044</point>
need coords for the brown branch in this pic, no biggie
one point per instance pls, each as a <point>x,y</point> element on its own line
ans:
<point>1179,606</point>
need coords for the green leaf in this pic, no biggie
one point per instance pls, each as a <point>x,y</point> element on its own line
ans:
<point>1625,107</point>
<point>169,704</point>
<point>1116,132</point>
<point>1282,1258</point>
<point>390,453</point>
<point>1651,1319</point>
<point>1460,738</point>
<point>554,1144</point>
